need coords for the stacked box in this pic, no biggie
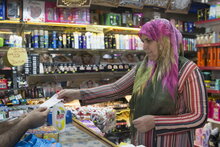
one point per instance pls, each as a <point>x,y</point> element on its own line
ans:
<point>2,9</point>
<point>34,11</point>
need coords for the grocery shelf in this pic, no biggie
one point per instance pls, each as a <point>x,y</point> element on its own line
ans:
<point>208,45</point>
<point>10,22</point>
<point>213,121</point>
<point>39,78</point>
<point>68,50</point>
<point>11,89</point>
<point>208,22</point>
<point>209,68</point>
<point>213,91</point>
<point>71,25</point>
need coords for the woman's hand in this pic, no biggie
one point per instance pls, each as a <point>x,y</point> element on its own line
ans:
<point>68,95</point>
<point>144,123</point>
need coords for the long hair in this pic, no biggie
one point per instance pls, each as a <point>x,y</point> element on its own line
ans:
<point>168,39</point>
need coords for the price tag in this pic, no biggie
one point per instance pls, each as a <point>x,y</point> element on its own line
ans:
<point>91,28</point>
<point>17,56</point>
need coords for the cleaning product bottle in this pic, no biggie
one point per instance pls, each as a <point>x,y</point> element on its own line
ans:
<point>59,117</point>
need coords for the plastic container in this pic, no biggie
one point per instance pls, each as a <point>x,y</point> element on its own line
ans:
<point>59,117</point>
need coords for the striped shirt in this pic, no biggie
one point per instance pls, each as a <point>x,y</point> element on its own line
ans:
<point>170,131</point>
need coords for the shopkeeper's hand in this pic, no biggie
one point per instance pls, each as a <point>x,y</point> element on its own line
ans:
<point>144,123</point>
<point>36,118</point>
<point>68,95</point>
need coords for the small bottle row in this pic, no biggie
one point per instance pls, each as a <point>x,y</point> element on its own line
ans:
<point>208,56</point>
<point>64,68</point>
<point>77,40</point>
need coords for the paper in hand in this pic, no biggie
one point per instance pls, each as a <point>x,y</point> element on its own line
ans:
<point>51,102</point>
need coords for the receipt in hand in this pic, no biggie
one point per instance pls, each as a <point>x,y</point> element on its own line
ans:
<point>51,102</point>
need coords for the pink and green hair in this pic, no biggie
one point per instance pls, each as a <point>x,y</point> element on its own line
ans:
<point>169,40</point>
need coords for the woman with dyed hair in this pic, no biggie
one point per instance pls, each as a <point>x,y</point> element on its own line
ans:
<point>168,94</point>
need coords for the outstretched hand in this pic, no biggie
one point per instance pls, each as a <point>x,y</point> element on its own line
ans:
<point>144,123</point>
<point>68,95</point>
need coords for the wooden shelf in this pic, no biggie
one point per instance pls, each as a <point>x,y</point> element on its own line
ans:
<point>68,50</point>
<point>213,121</point>
<point>70,25</point>
<point>209,68</point>
<point>208,22</point>
<point>40,78</point>
<point>213,91</point>
<point>208,45</point>
<point>10,22</point>
<point>214,24</point>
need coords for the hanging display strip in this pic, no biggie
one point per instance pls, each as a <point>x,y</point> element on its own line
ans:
<point>157,3</point>
<point>109,3</point>
<point>179,6</point>
<point>73,3</point>
<point>137,4</point>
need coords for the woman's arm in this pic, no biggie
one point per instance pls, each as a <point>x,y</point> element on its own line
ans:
<point>194,102</point>
<point>109,92</point>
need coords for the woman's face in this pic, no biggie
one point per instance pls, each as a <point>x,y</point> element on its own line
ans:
<point>150,47</point>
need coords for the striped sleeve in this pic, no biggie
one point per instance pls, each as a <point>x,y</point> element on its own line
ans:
<point>109,92</point>
<point>194,97</point>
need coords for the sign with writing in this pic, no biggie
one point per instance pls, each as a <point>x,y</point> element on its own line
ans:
<point>17,56</point>
<point>91,28</point>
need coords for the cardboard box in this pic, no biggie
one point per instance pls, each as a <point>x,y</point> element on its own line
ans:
<point>34,11</point>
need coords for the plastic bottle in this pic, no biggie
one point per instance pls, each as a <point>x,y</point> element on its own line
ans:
<point>59,117</point>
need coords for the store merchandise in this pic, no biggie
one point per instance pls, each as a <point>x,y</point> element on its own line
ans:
<point>33,11</point>
<point>157,3</point>
<point>44,132</point>
<point>103,117</point>
<point>2,9</point>
<point>81,16</point>
<point>59,117</point>
<point>32,140</point>
<point>109,3</point>
<point>138,4</point>
<point>13,10</point>
<point>51,12</point>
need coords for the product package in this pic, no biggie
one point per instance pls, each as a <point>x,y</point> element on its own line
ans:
<point>2,9</point>
<point>34,11</point>
<point>51,12</point>
<point>59,117</point>
<point>178,6</point>
<point>13,9</point>
<point>137,19</point>
<point>66,15</point>
<point>74,4</point>
<point>157,3</point>
<point>81,15</point>
<point>137,4</point>
<point>108,3</point>
<point>112,19</point>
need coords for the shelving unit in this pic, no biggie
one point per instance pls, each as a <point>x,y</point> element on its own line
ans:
<point>213,121</point>
<point>213,91</point>
<point>209,68</point>
<point>34,79</point>
<point>212,23</point>
<point>208,45</point>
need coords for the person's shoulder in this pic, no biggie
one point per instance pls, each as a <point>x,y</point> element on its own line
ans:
<point>186,65</point>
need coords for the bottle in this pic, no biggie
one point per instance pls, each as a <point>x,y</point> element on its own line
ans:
<point>41,38</point>
<point>60,40</point>
<point>64,40</point>
<point>36,39</point>
<point>59,117</point>
<point>46,39</point>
